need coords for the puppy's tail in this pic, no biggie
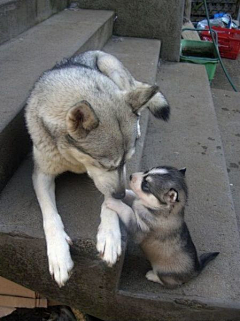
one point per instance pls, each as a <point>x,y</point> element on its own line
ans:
<point>159,107</point>
<point>206,258</point>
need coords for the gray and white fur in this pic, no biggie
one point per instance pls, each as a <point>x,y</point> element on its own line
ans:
<point>83,116</point>
<point>153,213</point>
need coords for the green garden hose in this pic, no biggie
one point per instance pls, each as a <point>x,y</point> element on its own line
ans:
<point>216,47</point>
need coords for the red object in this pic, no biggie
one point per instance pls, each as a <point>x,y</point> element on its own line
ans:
<point>228,41</point>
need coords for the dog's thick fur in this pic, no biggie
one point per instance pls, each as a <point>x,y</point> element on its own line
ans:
<point>156,221</point>
<point>83,116</point>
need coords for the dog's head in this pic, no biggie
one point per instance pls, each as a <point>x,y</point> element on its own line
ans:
<point>161,187</point>
<point>102,133</point>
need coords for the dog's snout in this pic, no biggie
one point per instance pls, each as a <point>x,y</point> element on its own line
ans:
<point>118,195</point>
<point>130,177</point>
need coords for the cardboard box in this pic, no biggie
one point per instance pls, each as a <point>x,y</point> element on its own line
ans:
<point>13,296</point>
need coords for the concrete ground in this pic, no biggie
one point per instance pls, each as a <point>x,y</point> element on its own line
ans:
<point>220,81</point>
<point>191,139</point>
<point>227,107</point>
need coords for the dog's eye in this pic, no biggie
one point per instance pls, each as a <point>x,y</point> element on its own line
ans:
<point>145,186</point>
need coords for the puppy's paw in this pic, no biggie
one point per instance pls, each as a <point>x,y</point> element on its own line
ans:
<point>59,258</point>
<point>109,244</point>
<point>151,276</point>
<point>113,204</point>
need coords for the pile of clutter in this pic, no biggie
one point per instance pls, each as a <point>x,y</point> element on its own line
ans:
<point>222,20</point>
<point>228,33</point>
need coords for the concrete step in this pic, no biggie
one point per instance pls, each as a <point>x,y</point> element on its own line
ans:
<point>23,259</point>
<point>220,81</point>
<point>18,16</point>
<point>227,106</point>
<point>191,139</point>
<point>156,20</point>
<point>23,60</point>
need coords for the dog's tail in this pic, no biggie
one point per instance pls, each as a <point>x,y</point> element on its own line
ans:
<point>159,107</point>
<point>206,258</point>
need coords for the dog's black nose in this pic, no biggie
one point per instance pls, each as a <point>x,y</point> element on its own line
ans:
<point>130,177</point>
<point>118,195</point>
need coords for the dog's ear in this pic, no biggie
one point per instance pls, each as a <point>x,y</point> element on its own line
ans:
<point>183,170</point>
<point>140,96</point>
<point>81,119</point>
<point>171,196</point>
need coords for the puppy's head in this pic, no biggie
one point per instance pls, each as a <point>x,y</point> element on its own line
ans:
<point>161,187</point>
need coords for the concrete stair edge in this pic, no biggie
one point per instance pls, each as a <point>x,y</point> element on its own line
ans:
<point>227,110</point>
<point>19,16</point>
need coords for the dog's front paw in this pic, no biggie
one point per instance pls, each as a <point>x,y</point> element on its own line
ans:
<point>109,245</point>
<point>59,258</point>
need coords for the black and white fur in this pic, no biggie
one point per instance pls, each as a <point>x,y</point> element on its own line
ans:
<point>156,220</point>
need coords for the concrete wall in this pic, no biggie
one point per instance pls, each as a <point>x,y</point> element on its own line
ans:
<point>16,16</point>
<point>158,19</point>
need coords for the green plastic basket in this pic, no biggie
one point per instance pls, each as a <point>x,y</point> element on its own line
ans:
<point>200,52</point>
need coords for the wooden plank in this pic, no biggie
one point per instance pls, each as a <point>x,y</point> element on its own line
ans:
<point>189,35</point>
<point>20,302</point>
<point>8,287</point>
<point>13,295</point>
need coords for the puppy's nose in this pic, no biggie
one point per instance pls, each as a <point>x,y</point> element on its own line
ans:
<point>133,178</point>
<point>118,195</point>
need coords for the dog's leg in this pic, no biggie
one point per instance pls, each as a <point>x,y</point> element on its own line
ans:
<point>114,69</point>
<point>59,259</point>
<point>109,236</point>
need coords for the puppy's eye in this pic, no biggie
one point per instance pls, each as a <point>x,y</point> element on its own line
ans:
<point>145,186</point>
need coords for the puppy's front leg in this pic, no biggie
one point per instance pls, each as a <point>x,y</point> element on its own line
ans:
<point>124,211</point>
<point>109,236</point>
<point>151,276</point>
<point>59,259</point>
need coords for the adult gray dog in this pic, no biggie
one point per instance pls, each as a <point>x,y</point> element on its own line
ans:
<point>83,116</point>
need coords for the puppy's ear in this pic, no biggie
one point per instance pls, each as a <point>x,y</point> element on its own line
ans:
<point>140,96</point>
<point>81,119</point>
<point>183,170</point>
<point>172,196</point>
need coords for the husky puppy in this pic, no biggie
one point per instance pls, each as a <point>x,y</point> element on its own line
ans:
<point>156,220</point>
<point>83,116</point>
